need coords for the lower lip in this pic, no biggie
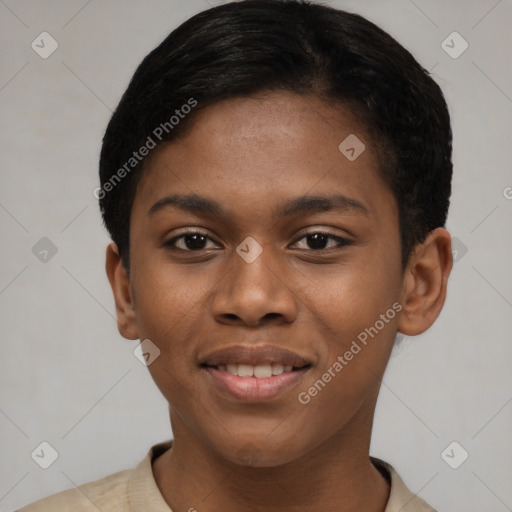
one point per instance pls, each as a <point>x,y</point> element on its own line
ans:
<point>254,389</point>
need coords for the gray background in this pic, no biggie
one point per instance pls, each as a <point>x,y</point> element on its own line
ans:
<point>68,378</point>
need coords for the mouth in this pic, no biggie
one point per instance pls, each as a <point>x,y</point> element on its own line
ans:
<point>260,371</point>
<point>255,358</point>
<point>252,384</point>
<point>254,373</point>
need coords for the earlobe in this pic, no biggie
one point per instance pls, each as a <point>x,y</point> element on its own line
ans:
<point>425,283</point>
<point>120,284</point>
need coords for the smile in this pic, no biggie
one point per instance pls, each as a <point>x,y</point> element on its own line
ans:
<point>246,383</point>
<point>260,371</point>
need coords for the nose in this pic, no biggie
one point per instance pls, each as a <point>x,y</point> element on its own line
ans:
<point>254,293</point>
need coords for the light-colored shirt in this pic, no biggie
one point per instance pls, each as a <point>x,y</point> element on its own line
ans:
<point>135,490</point>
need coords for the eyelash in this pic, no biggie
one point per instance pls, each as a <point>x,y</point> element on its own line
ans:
<point>343,242</point>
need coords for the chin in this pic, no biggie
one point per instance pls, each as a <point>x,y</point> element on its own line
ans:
<point>262,454</point>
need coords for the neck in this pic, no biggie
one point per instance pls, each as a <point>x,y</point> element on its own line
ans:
<point>336,476</point>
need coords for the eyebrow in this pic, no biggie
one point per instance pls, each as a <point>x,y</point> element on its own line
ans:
<point>199,205</point>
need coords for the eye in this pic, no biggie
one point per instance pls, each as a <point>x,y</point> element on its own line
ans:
<point>195,241</point>
<point>189,241</point>
<point>317,241</point>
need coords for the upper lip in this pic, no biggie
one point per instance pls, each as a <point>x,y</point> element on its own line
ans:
<point>254,355</point>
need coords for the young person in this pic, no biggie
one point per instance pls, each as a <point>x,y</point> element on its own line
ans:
<point>276,181</point>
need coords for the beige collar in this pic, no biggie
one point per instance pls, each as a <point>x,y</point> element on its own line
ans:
<point>145,496</point>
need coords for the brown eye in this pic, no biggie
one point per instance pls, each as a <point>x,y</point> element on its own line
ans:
<point>318,240</point>
<point>190,241</point>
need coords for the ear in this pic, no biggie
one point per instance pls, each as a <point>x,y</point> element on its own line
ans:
<point>425,282</point>
<point>120,283</point>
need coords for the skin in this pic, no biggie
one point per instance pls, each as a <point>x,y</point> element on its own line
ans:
<point>251,154</point>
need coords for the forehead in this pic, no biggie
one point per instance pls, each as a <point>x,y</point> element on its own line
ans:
<point>264,149</point>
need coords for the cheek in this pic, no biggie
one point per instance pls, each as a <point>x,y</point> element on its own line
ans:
<point>169,305</point>
<point>348,298</point>
<point>358,344</point>
<point>353,314</point>
<point>167,298</point>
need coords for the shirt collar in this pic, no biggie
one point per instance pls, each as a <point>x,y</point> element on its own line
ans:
<point>401,499</point>
<point>144,495</point>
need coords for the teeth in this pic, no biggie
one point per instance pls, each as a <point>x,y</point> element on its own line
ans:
<point>259,371</point>
<point>264,370</point>
<point>245,370</point>
<point>277,369</point>
<point>233,369</point>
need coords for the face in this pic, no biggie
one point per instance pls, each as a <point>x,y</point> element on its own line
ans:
<point>257,244</point>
